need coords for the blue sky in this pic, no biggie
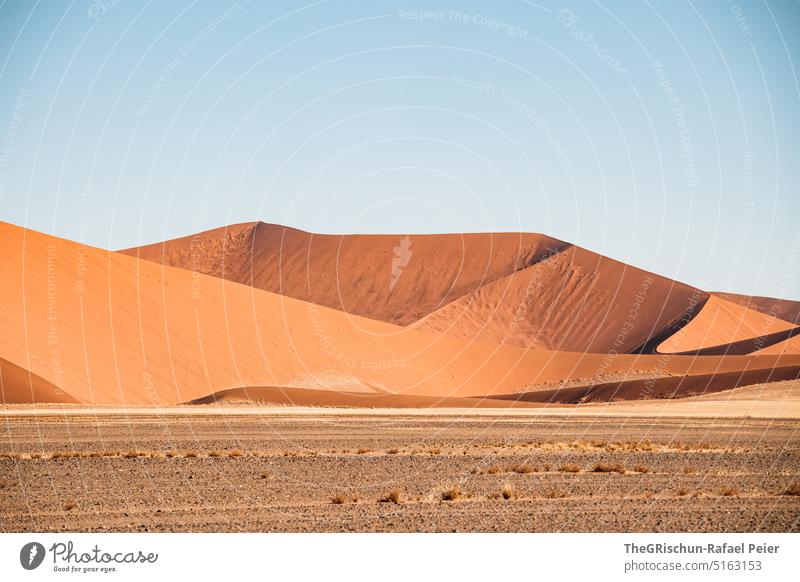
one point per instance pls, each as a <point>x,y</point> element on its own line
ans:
<point>664,134</point>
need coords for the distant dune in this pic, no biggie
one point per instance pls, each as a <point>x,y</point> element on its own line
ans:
<point>435,320</point>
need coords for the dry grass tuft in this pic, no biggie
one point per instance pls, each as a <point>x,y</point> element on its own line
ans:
<point>729,492</point>
<point>435,451</point>
<point>793,490</point>
<point>452,493</point>
<point>191,455</point>
<point>556,494</point>
<point>392,451</point>
<point>609,468</point>
<point>339,499</point>
<point>266,475</point>
<point>507,492</point>
<point>642,469</point>
<point>214,454</point>
<point>235,453</point>
<point>522,469</point>
<point>570,468</point>
<point>363,451</point>
<point>70,506</point>
<point>391,497</point>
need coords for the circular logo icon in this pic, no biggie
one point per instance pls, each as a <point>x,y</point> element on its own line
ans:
<point>31,555</point>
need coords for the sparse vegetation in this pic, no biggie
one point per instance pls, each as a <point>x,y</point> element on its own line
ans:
<point>609,468</point>
<point>339,499</point>
<point>522,469</point>
<point>392,451</point>
<point>556,494</point>
<point>266,474</point>
<point>451,493</point>
<point>729,492</point>
<point>793,490</point>
<point>570,468</point>
<point>507,492</point>
<point>70,506</point>
<point>391,497</point>
<point>214,454</point>
<point>191,455</point>
<point>642,469</point>
<point>235,453</point>
<point>363,451</point>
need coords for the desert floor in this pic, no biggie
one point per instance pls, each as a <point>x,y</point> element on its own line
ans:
<point>284,469</point>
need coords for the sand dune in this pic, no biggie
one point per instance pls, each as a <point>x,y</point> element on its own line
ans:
<point>574,300</point>
<point>778,308</point>
<point>107,328</point>
<point>392,278</point>
<point>723,323</point>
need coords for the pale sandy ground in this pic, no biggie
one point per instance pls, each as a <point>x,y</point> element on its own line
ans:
<point>251,468</point>
<point>779,400</point>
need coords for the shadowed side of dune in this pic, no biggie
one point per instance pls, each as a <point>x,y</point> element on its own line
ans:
<point>19,386</point>
<point>312,397</point>
<point>395,278</point>
<point>656,388</point>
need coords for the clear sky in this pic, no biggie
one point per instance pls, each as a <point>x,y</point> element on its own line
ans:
<point>662,133</point>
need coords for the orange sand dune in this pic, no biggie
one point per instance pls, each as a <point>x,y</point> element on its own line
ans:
<point>110,329</point>
<point>391,278</point>
<point>777,308</point>
<point>722,323</point>
<point>523,289</point>
<point>575,300</point>
<point>789,346</point>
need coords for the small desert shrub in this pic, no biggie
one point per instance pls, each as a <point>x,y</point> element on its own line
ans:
<point>451,494</point>
<point>793,490</point>
<point>265,474</point>
<point>132,455</point>
<point>606,468</point>
<point>682,492</point>
<point>70,506</point>
<point>546,467</point>
<point>522,469</point>
<point>435,451</point>
<point>688,470</point>
<point>214,454</point>
<point>728,492</point>
<point>191,455</point>
<point>363,451</point>
<point>392,451</point>
<point>556,494</point>
<point>171,454</point>
<point>570,468</point>
<point>391,497</point>
<point>507,492</point>
<point>339,499</point>
<point>493,470</point>
<point>235,453</point>
<point>641,469</point>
